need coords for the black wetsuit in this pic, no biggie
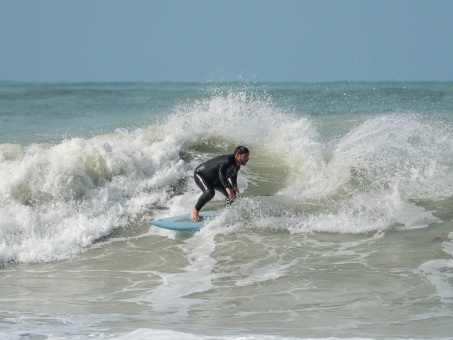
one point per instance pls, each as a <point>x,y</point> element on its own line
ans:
<point>213,175</point>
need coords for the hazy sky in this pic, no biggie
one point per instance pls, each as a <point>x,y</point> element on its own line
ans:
<point>203,40</point>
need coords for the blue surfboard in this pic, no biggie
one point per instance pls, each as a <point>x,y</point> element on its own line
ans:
<point>183,222</point>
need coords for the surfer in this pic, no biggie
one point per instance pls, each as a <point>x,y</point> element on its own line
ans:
<point>219,173</point>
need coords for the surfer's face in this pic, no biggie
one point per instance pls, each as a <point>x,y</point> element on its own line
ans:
<point>242,159</point>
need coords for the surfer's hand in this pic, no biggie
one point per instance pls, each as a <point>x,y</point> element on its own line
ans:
<point>236,191</point>
<point>230,193</point>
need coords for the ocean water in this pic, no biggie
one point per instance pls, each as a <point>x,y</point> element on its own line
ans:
<point>344,227</point>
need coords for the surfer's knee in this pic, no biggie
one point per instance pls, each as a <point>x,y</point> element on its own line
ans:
<point>208,195</point>
<point>211,194</point>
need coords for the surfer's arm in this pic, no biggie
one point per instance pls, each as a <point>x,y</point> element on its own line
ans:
<point>234,183</point>
<point>229,188</point>
<point>223,169</point>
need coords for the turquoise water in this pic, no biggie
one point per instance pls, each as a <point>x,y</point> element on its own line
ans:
<point>344,227</point>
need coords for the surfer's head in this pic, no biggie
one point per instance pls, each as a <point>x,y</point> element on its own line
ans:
<point>241,154</point>
<point>241,150</point>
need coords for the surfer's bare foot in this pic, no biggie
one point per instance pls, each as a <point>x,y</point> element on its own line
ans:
<point>195,216</point>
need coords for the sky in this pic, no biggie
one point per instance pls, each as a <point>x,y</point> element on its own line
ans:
<point>229,40</point>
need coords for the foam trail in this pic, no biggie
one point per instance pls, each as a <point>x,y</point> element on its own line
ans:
<point>173,296</point>
<point>440,272</point>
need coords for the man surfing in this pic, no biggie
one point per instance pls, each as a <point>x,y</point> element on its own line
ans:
<point>219,173</point>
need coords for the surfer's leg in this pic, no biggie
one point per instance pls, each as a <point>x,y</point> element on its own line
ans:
<point>207,188</point>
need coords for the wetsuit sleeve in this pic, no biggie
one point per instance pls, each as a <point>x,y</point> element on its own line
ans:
<point>223,174</point>
<point>234,180</point>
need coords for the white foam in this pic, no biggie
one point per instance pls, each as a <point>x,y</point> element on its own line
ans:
<point>57,199</point>
<point>373,176</point>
